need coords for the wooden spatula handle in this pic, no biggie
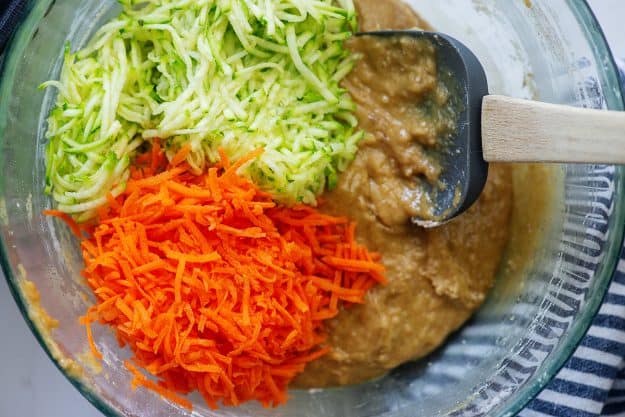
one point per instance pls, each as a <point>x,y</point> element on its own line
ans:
<point>517,130</point>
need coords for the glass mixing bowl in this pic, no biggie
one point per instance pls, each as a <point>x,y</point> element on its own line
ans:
<point>550,50</point>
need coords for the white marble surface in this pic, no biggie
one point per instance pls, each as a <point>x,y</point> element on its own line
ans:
<point>32,387</point>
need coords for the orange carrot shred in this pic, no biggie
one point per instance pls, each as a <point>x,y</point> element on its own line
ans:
<point>71,223</point>
<point>214,287</point>
<point>92,346</point>
<point>181,155</point>
<point>140,379</point>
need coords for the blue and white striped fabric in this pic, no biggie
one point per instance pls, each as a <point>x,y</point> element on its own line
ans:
<point>592,383</point>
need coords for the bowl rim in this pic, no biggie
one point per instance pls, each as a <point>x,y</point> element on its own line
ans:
<point>601,51</point>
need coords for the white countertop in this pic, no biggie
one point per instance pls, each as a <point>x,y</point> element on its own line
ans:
<point>33,387</point>
<point>611,15</point>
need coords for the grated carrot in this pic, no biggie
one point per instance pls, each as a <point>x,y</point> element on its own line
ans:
<point>71,223</point>
<point>213,286</point>
<point>181,155</point>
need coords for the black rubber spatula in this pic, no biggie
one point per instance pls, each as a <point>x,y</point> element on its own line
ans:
<point>495,128</point>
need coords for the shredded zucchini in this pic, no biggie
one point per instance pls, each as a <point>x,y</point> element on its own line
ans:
<point>236,74</point>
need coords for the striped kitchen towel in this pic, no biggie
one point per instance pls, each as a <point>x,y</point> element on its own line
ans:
<point>10,13</point>
<point>592,383</point>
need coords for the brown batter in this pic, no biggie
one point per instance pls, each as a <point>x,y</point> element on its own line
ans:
<point>408,115</point>
<point>437,277</point>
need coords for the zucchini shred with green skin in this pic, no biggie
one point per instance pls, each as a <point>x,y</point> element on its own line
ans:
<point>231,74</point>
